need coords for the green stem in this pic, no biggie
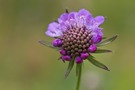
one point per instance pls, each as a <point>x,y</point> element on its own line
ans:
<point>79,76</point>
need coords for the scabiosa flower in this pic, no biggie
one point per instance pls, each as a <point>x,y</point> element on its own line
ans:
<point>75,33</point>
<point>78,35</point>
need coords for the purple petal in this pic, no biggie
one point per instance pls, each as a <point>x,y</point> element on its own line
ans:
<point>89,23</point>
<point>72,18</point>
<point>63,18</point>
<point>54,30</point>
<point>63,26</point>
<point>81,17</point>
<point>99,20</point>
<point>98,31</point>
<point>97,35</point>
<point>83,13</point>
<point>96,38</point>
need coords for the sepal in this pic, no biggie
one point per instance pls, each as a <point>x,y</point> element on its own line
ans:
<point>48,44</point>
<point>78,66</point>
<point>102,51</point>
<point>97,63</point>
<point>70,66</point>
<point>107,41</point>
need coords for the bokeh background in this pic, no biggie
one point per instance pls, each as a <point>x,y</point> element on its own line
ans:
<point>27,65</point>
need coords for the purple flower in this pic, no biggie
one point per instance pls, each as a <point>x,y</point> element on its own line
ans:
<point>76,34</point>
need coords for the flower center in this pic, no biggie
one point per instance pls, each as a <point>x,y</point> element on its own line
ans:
<point>76,41</point>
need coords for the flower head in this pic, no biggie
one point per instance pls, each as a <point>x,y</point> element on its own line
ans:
<point>78,35</point>
<point>75,33</point>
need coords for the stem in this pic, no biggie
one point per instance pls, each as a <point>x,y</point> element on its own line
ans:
<point>79,76</point>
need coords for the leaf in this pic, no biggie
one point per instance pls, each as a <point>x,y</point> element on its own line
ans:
<point>104,37</point>
<point>102,51</point>
<point>107,41</point>
<point>48,44</point>
<point>70,66</point>
<point>97,63</point>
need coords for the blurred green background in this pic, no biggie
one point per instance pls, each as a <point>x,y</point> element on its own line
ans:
<point>27,65</point>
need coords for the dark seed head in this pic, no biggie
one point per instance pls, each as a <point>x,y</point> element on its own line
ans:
<point>76,41</point>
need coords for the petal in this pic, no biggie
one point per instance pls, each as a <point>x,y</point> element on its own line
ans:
<point>89,19</point>
<point>83,13</point>
<point>81,17</point>
<point>54,30</point>
<point>94,22</point>
<point>96,38</point>
<point>72,18</point>
<point>99,20</point>
<point>63,18</point>
<point>98,31</point>
<point>97,35</point>
<point>65,26</point>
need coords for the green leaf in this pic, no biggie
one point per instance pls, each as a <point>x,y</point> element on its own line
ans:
<point>107,41</point>
<point>102,51</point>
<point>70,66</point>
<point>97,63</point>
<point>48,44</point>
<point>104,37</point>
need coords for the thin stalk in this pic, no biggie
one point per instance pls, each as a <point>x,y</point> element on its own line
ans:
<point>79,76</point>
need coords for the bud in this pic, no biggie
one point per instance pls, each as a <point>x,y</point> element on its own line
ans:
<point>62,52</point>
<point>92,48</point>
<point>67,58</point>
<point>78,60</point>
<point>84,55</point>
<point>57,43</point>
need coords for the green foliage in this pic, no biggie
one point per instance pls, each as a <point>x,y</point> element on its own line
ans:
<point>107,41</point>
<point>97,63</point>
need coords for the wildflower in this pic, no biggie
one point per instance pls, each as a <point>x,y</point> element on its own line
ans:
<point>77,35</point>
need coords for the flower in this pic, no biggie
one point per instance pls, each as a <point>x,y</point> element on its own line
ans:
<point>75,33</point>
